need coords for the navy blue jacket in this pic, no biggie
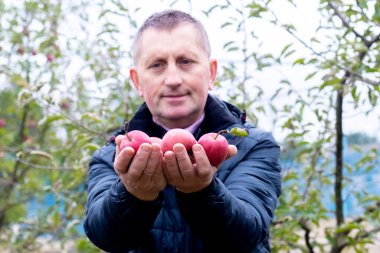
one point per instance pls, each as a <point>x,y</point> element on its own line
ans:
<point>232,214</point>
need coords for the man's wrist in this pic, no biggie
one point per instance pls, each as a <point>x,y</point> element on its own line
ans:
<point>192,190</point>
<point>146,196</point>
<point>143,196</point>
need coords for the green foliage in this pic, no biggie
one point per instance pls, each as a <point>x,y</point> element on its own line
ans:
<point>56,111</point>
<point>310,148</point>
<point>65,89</point>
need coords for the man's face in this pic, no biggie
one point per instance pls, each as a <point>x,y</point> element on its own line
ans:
<point>173,74</point>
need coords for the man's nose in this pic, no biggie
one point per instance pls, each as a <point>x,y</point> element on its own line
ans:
<point>173,76</point>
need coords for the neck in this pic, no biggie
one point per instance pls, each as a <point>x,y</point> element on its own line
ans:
<point>190,127</point>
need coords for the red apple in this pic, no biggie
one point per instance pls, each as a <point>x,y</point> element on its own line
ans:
<point>65,105</point>
<point>155,140</point>
<point>134,139</point>
<point>21,50</point>
<point>178,135</point>
<point>27,139</point>
<point>3,123</point>
<point>50,57</point>
<point>215,146</point>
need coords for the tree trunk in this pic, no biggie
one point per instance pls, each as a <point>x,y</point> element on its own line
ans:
<point>339,213</point>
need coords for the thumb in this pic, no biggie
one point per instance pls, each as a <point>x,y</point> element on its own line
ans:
<point>118,140</point>
<point>232,151</point>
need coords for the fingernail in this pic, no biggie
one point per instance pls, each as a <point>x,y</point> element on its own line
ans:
<point>196,148</point>
<point>178,148</point>
<point>145,148</point>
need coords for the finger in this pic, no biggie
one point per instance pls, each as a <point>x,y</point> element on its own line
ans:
<point>183,160</point>
<point>118,140</point>
<point>139,162</point>
<point>171,169</point>
<point>232,151</point>
<point>155,158</point>
<point>123,160</point>
<point>203,164</point>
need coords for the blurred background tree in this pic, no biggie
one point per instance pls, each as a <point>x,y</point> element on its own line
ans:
<point>64,88</point>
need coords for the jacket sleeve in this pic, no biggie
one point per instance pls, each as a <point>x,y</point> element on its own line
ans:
<point>115,220</point>
<point>234,213</point>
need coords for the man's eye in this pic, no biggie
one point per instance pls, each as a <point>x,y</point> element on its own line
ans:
<point>185,61</point>
<point>155,65</point>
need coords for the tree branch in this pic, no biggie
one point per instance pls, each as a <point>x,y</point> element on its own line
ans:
<point>320,55</point>
<point>307,229</point>
<point>44,167</point>
<point>362,236</point>
<point>362,11</point>
<point>314,160</point>
<point>345,22</point>
<point>71,119</point>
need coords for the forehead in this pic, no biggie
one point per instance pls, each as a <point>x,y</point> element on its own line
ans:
<point>183,37</point>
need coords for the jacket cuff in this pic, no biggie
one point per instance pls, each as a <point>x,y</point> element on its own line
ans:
<point>120,194</point>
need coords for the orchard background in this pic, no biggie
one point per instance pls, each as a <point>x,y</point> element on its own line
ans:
<point>64,87</point>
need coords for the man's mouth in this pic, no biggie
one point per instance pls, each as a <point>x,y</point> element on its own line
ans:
<point>175,95</point>
<point>174,98</point>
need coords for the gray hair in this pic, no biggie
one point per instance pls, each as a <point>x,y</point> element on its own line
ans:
<point>168,20</point>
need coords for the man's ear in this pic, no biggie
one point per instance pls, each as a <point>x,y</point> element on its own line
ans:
<point>213,71</point>
<point>135,80</point>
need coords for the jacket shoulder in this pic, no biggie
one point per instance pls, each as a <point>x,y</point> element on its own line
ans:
<point>258,146</point>
<point>258,136</point>
<point>105,154</point>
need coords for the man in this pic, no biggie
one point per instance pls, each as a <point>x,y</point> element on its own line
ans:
<point>147,201</point>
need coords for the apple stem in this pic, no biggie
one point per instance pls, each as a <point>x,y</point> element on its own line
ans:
<point>237,131</point>
<point>126,125</point>
<point>220,132</point>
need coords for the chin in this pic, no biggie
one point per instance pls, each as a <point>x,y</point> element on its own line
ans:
<point>177,111</point>
<point>178,115</point>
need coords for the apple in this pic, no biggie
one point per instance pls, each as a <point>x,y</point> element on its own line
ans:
<point>50,57</point>
<point>134,139</point>
<point>64,105</point>
<point>3,123</point>
<point>155,140</point>
<point>27,139</point>
<point>21,50</point>
<point>215,146</point>
<point>178,135</point>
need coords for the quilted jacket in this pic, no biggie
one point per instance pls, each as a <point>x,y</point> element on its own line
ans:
<point>232,214</point>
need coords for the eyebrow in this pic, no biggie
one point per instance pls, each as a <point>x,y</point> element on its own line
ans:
<point>157,57</point>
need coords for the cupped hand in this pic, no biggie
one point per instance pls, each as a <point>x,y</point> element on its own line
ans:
<point>141,172</point>
<point>187,176</point>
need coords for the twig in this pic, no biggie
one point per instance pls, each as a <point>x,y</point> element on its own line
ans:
<point>362,11</point>
<point>307,229</point>
<point>345,22</point>
<point>362,236</point>
<point>44,167</point>
<point>74,121</point>
<point>350,71</point>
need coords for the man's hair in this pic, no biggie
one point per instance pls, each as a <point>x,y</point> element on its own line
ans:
<point>168,20</point>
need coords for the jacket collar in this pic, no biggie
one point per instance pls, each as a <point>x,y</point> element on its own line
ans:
<point>219,115</point>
